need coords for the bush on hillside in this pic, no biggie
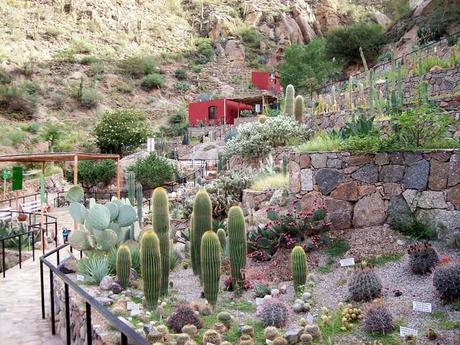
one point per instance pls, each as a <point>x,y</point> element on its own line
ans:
<point>307,66</point>
<point>177,125</point>
<point>92,173</point>
<point>180,74</point>
<point>153,171</point>
<point>343,43</point>
<point>5,77</point>
<point>205,51</point>
<point>152,81</point>
<point>121,131</point>
<point>138,66</point>
<point>17,102</point>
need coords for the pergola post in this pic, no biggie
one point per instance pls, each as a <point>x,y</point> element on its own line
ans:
<point>75,182</point>
<point>118,178</point>
<point>42,212</point>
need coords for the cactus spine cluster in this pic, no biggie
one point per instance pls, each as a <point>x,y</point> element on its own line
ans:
<point>364,284</point>
<point>151,268</point>
<point>210,261</point>
<point>139,201</point>
<point>160,222</point>
<point>123,265</point>
<point>299,108</point>
<point>422,257</point>
<point>131,184</point>
<point>222,238</point>
<point>299,268</point>
<point>201,222</point>
<point>289,101</point>
<point>237,243</point>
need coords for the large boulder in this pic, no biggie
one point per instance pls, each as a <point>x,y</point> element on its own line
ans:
<point>340,213</point>
<point>370,210</point>
<point>234,50</point>
<point>327,179</point>
<point>399,211</point>
<point>416,176</point>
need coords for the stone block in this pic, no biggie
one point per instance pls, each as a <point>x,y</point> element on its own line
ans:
<point>368,173</point>
<point>340,213</point>
<point>346,191</point>
<point>370,210</point>
<point>327,179</point>
<point>416,176</point>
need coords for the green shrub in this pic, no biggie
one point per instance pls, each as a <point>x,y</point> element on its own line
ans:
<point>152,81</point>
<point>31,87</point>
<point>32,128</point>
<point>177,125</point>
<point>416,229</point>
<point>343,43</point>
<point>51,132</point>
<point>93,268</point>
<point>92,173</point>
<point>153,171</point>
<point>452,41</point>
<point>251,37</point>
<point>182,86</point>
<point>369,143</point>
<point>17,102</point>
<point>138,66</point>
<point>65,55</point>
<point>197,69</point>
<point>89,98</point>
<point>121,131</point>
<point>181,74</point>
<point>430,61</point>
<point>435,26</point>
<point>205,51</point>
<point>5,77</point>
<point>96,69</point>
<point>89,60</point>
<point>307,66</point>
<point>321,142</point>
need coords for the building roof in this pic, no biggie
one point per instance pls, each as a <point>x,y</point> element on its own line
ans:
<point>255,99</point>
<point>56,157</point>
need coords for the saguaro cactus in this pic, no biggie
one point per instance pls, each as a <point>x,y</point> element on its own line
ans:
<point>222,238</point>
<point>160,222</point>
<point>210,261</point>
<point>131,184</point>
<point>299,109</point>
<point>123,265</point>
<point>202,222</point>
<point>151,268</point>
<point>289,100</point>
<point>237,243</point>
<point>139,201</point>
<point>299,268</point>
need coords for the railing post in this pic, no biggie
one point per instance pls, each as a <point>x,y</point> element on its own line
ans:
<point>42,289</point>
<point>3,258</point>
<point>53,320</point>
<point>124,339</point>
<point>20,251</point>
<point>89,327</point>
<point>67,314</point>
<point>33,245</point>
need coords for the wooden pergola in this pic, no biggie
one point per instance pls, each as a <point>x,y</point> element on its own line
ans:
<point>63,157</point>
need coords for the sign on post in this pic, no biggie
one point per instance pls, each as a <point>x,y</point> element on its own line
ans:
<point>150,144</point>
<point>17,178</point>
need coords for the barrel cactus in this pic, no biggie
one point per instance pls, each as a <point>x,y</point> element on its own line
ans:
<point>237,243</point>
<point>262,118</point>
<point>160,222</point>
<point>377,319</point>
<point>210,266</point>
<point>289,100</point>
<point>274,313</point>
<point>211,337</point>
<point>202,222</point>
<point>222,238</point>
<point>298,268</point>
<point>279,341</point>
<point>446,280</point>
<point>422,258</point>
<point>123,265</point>
<point>151,268</point>
<point>364,284</point>
<point>299,109</point>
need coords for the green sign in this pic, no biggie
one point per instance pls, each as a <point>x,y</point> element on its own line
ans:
<point>6,174</point>
<point>17,178</point>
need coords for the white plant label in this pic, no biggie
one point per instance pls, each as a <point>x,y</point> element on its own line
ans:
<point>405,331</point>
<point>347,262</point>
<point>310,318</point>
<point>420,306</point>
<point>80,278</point>
<point>209,344</point>
<point>268,341</point>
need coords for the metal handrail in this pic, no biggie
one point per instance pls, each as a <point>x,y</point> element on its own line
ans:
<point>127,332</point>
<point>36,196</point>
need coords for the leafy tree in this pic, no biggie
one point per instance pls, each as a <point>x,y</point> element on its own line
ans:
<point>91,173</point>
<point>306,66</point>
<point>153,171</point>
<point>121,131</point>
<point>51,133</point>
<point>343,43</point>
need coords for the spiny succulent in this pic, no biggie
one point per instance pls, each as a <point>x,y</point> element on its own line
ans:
<point>446,280</point>
<point>225,318</point>
<point>274,313</point>
<point>271,333</point>
<point>211,336</point>
<point>377,319</point>
<point>350,315</point>
<point>422,257</point>
<point>364,284</point>
<point>183,315</point>
<point>191,330</point>
<point>182,339</point>
<point>246,340</point>
<point>279,341</point>
<point>313,330</point>
<point>306,339</point>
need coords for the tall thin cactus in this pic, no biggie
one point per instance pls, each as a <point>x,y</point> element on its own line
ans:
<point>160,222</point>
<point>350,92</point>
<point>222,239</point>
<point>289,101</point>
<point>237,243</point>
<point>210,261</point>
<point>371,99</point>
<point>202,222</point>
<point>151,268</point>
<point>299,109</point>
<point>363,59</point>
<point>123,265</point>
<point>140,202</point>
<point>131,186</point>
<point>298,268</point>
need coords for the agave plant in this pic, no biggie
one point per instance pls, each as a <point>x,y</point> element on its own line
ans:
<point>100,226</point>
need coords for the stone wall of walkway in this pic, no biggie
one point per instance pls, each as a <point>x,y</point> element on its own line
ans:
<point>371,189</point>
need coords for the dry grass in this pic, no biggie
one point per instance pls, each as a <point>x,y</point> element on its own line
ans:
<point>270,182</point>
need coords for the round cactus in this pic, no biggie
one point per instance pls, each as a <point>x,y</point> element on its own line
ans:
<point>123,265</point>
<point>160,222</point>
<point>446,280</point>
<point>274,313</point>
<point>299,109</point>
<point>422,258</point>
<point>151,268</point>
<point>237,243</point>
<point>211,337</point>
<point>377,319</point>
<point>289,101</point>
<point>262,118</point>
<point>279,341</point>
<point>202,222</point>
<point>364,284</point>
<point>210,265</point>
<point>299,268</point>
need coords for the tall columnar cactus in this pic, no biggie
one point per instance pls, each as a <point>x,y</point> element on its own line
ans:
<point>334,98</point>
<point>139,201</point>
<point>299,268</point>
<point>400,97</point>
<point>210,265</point>
<point>151,268</point>
<point>202,222</point>
<point>285,165</point>
<point>123,265</point>
<point>237,243</point>
<point>131,184</point>
<point>299,109</point>
<point>289,101</point>
<point>222,238</point>
<point>371,92</point>
<point>350,92</point>
<point>363,59</point>
<point>160,222</point>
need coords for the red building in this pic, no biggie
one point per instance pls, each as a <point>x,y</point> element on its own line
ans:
<point>267,81</point>
<point>215,112</point>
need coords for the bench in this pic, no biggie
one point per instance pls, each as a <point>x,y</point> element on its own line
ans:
<point>31,207</point>
<point>5,214</point>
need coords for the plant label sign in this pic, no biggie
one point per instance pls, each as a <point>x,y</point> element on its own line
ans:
<point>268,341</point>
<point>420,306</point>
<point>347,262</point>
<point>80,278</point>
<point>310,318</point>
<point>405,331</point>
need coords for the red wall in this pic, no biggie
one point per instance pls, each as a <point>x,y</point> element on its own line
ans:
<point>262,81</point>
<point>198,112</point>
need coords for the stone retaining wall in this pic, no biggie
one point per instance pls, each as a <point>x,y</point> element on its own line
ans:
<point>371,189</point>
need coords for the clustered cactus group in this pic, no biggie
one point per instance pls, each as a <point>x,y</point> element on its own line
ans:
<point>274,313</point>
<point>294,106</point>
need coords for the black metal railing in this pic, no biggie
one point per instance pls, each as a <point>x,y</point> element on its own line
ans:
<point>127,333</point>
<point>21,199</point>
<point>30,234</point>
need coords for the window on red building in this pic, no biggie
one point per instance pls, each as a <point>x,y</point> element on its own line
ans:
<point>212,112</point>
